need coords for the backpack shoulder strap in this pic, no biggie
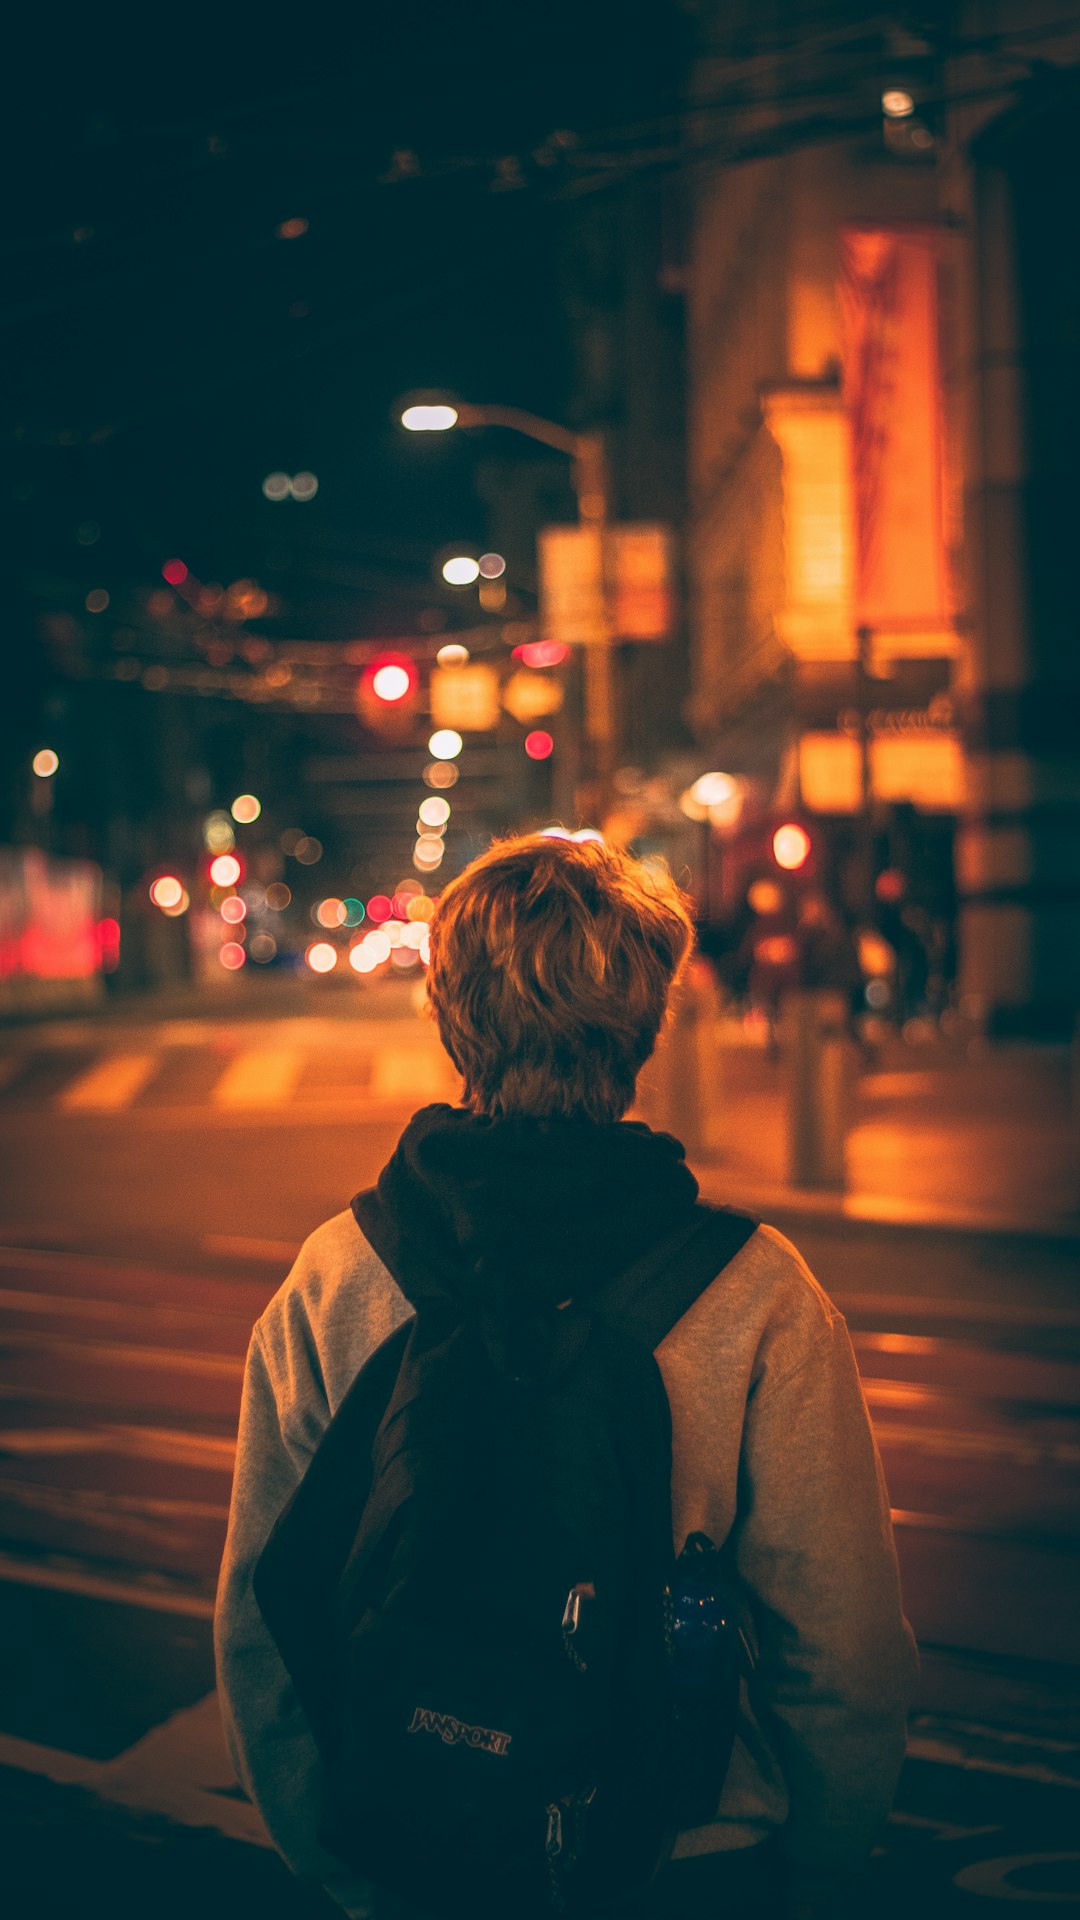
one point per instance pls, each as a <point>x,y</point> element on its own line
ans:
<point>649,1298</point>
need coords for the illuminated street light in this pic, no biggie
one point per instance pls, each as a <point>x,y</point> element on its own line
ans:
<point>460,571</point>
<point>429,419</point>
<point>45,763</point>
<point>791,847</point>
<point>445,744</point>
<point>713,789</point>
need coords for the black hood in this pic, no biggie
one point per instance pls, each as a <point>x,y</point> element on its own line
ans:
<point>514,1215</point>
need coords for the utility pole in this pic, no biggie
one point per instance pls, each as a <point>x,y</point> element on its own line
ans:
<point>589,474</point>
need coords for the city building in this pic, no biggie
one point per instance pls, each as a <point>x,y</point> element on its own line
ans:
<point>882,360</point>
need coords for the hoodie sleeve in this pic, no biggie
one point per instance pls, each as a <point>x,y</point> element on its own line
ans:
<point>271,1747</point>
<point>837,1659</point>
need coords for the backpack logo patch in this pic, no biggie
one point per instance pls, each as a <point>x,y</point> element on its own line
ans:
<point>425,1720</point>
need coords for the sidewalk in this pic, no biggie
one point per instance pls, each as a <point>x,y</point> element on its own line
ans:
<point>980,1139</point>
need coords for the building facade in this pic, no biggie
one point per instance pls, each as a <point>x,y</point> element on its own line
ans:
<point>882,399</point>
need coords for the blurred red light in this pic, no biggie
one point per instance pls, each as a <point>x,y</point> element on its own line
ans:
<point>539,745</point>
<point>379,907</point>
<point>175,572</point>
<point>391,677</point>
<point>542,653</point>
<point>108,933</point>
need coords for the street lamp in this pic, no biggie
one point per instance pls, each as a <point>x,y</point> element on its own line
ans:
<point>590,481</point>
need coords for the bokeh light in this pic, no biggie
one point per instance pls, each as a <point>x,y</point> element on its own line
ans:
<point>246,808</point>
<point>429,419</point>
<point>233,910</point>
<point>278,896</point>
<point>361,958</point>
<point>218,835</point>
<point>167,891</point>
<point>452,655</point>
<point>439,773</point>
<point>897,103</point>
<point>791,846</point>
<point>539,745</point>
<point>232,956</point>
<point>276,486</point>
<point>379,908</point>
<point>45,763</point>
<point>321,957</point>
<point>491,565</point>
<point>262,947</point>
<point>225,870</point>
<point>175,572</point>
<point>445,744</point>
<point>331,912</point>
<point>304,486</point>
<point>713,789</point>
<point>378,943</point>
<point>460,570</point>
<point>434,812</point>
<point>308,851</point>
<point>354,912</point>
<point>421,908</point>
<point>391,682</point>
<point>542,653</point>
<point>96,600</point>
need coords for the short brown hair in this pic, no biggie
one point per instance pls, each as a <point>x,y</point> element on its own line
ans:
<point>551,964</point>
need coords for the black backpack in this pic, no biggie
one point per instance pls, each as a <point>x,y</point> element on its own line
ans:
<point>519,1695</point>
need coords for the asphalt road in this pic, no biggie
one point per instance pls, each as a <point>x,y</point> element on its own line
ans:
<point>136,1250</point>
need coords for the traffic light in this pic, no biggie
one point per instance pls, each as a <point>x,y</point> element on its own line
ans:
<point>386,693</point>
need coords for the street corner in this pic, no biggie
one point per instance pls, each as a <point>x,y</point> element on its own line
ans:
<point>969,1832</point>
<point>161,1829</point>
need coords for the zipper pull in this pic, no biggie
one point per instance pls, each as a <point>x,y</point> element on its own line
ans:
<point>554,1843</point>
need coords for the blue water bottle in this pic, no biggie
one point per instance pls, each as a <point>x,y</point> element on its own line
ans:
<point>703,1641</point>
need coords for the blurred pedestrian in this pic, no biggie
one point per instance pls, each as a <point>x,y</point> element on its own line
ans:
<point>551,966</point>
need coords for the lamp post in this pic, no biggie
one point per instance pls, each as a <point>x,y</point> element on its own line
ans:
<point>591,490</point>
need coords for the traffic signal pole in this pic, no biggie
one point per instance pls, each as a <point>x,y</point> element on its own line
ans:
<point>591,484</point>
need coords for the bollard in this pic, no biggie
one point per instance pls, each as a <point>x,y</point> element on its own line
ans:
<point>678,1092</point>
<point>819,1059</point>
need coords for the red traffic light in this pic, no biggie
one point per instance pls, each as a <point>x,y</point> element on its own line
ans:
<point>390,678</point>
<point>791,846</point>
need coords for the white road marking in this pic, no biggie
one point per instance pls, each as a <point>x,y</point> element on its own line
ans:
<point>120,1313</point>
<point>259,1077</point>
<point>956,1444</point>
<point>109,1085</point>
<point>160,1596</point>
<point>409,1073</point>
<point>179,1770</point>
<point>111,1353</point>
<point>171,1446</point>
<point>89,1503</point>
<point>246,1246</point>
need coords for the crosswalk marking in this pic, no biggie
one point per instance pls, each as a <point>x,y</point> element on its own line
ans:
<point>410,1073</point>
<point>109,1085</point>
<point>259,1077</point>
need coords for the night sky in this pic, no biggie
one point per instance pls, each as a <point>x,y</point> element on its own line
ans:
<point>172,348</point>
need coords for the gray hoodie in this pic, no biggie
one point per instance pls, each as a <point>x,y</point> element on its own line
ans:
<point>772,1447</point>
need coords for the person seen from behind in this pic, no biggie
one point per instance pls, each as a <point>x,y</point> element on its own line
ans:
<point>552,963</point>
